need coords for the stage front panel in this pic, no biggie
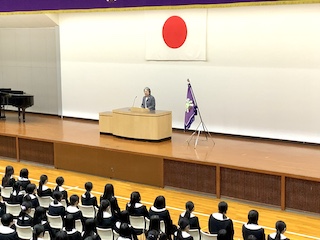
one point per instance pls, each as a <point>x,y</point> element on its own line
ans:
<point>8,147</point>
<point>257,187</point>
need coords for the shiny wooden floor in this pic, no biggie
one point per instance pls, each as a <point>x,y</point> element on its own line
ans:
<point>295,159</point>
<point>299,225</point>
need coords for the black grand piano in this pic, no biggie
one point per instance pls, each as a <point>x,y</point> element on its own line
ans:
<point>15,98</point>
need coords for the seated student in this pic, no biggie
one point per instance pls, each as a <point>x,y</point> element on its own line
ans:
<point>252,227</point>
<point>193,220</point>
<point>56,208</point>
<point>16,197</point>
<point>108,194</point>
<point>104,217</point>
<point>124,218</point>
<point>281,227</point>
<point>159,208</point>
<point>73,233</point>
<point>43,189</point>
<point>23,179</point>
<point>154,226</point>
<point>61,235</point>
<point>89,229</point>
<point>8,179</point>
<point>6,230</point>
<point>73,208</point>
<point>40,217</point>
<point>59,188</point>
<point>24,219</point>
<point>135,207</point>
<point>125,232</point>
<point>38,232</point>
<point>31,194</point>
<point>218,221</point>
<point>87,198</point>
<point>222,235</point>
<point>183,231</point>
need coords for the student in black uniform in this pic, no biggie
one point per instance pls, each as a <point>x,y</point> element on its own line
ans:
<point>281,227</point>
<point>108,194</point>
<point>104,217</point>
<point>56,208</point>
<point>87,198</point>
<point>90,229</point>
<point>6,230</point>
<point>38,232</point>
<point>73,233</point>
<point>24,219</point>
<point>252,227</point>
<point>31,194</point>
<point>23,179</point>
<point>8,179</point>
<point>16,197</point>
<point>40,217</point>
<point>125,232</point>
<point>159,208</point>
<point>219,221</point>
<point>193,220</point>
<point>59,188</point>
<point>135,207</point>
<point>73,208</point>
<point>43,189</point>
<point>182,232</point>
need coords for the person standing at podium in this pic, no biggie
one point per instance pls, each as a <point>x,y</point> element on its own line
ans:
<point>148,101</point>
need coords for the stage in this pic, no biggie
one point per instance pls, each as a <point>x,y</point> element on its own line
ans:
<point>277,173</point>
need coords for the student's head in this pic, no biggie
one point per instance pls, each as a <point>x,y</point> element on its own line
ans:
<point>26,206</point>
<point>108,191</point>
<point>89,226</point>
<point>57,196</point>
<point>60,181</point>
<point>154,223</point>
<point>31,188</point>
<point>147,91</point>
<point>222,234</point>
<point>104,205</point>
<point>159,202</point>
<point>152,235</point>
<point>88,186</point>
<point>7,219</point>
<point>43,179</point>
<point>40,215</point>
<point>61,235</point>
<point>9,171</point>
<point>222,207</point>
<point>189,209</point>
<point>74,200</point>
<point>184,224</point>
<point>16,187</point>
<point>253,217</point>
<point>125,230</point>
<point>24,173</point>
<point>135,197</point>
<point>38,231</point>
<point>124,216</point>
<point>69,222</point>
<point>281,227</point>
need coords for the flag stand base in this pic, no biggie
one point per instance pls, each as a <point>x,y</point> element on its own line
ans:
<point>200,128</point>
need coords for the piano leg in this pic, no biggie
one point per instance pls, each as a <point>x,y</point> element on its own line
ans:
<point>2,111</point>
<point>24,114</point>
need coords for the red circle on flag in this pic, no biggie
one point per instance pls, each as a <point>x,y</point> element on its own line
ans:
<point>174,32</point>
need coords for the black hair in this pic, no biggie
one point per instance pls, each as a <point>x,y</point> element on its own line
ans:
<point>57,196</point>
<point>25,207</point>
<point>59,181</point>
<point>125,230</point>
<point>38,229</point>
<point>124,217</point>
<point>16,188</point>
<point>103,207</point>
<point>253,217</point>
<point>154,223</point>
<point>89,227</point>
<point>69,222</point>
<point>73,199</point>
<point>134,198</point>
<point>222,234</point>
<point>88,186</point>
<point>30,188</point>
<point>108,191</point>
<point>189,209</point>
<point>8,173</point>
<point>43,179</point>
<point>24,173</point>
<point>61,235</point>
<point>159,202</point>
<point>223,207</point>
<point>280,227</point>
<point>251,237</point>
<point>183,224</point>
<point>6,219</point>
<point>152,235</point>
<point>39,215</point>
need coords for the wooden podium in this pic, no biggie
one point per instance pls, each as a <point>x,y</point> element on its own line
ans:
<point>137,123</point>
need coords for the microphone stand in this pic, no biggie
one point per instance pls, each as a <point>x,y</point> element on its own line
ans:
<point>199,129</point>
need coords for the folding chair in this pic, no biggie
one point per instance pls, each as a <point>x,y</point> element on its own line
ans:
<point>207,236</point>
<point>78,225</point>
<point>45,201</point>
<point>138,223</point>
<point>6,192</point>
<point>87,211</point>
<point>115,235</point>
<point>14,209</point>
<point>24,232</point>
<point>105,233</point>
<point>195,234</point>
<point>55,221</point>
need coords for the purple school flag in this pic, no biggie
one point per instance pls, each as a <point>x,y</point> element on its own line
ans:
<point>191,108</point>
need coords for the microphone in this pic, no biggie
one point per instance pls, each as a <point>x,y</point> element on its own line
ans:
<point>134,100</point>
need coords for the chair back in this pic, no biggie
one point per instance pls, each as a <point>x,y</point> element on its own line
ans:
<point>6,192</point>
<point>55,221</point>
<point>45,201</point>
<point>78,225</point>
<point>162,226</point>
<point>14,209</point>
<point>207,236</point>
<point>115,235</point>
<point>64,203</point>
<point>46,236</point>
<point>105,233</point>
<point>195,234</point>
<point>147,221</point>
<point>24,232</point>
<point>137,222</point>
<point>87,211</point>
<point>32,210</point>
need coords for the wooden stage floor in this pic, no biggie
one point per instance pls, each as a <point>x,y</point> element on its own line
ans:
<point>280,159</point>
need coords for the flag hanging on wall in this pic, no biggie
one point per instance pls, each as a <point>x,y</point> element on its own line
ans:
<point>176,35</point>
<point>191,108</point>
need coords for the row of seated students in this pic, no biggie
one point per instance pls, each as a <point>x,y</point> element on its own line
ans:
<point>109,214</point>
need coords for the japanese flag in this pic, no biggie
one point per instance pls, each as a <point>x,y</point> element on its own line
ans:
<point>176,34</point>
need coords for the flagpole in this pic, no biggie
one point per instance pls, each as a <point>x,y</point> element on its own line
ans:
<point>204,127</point>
